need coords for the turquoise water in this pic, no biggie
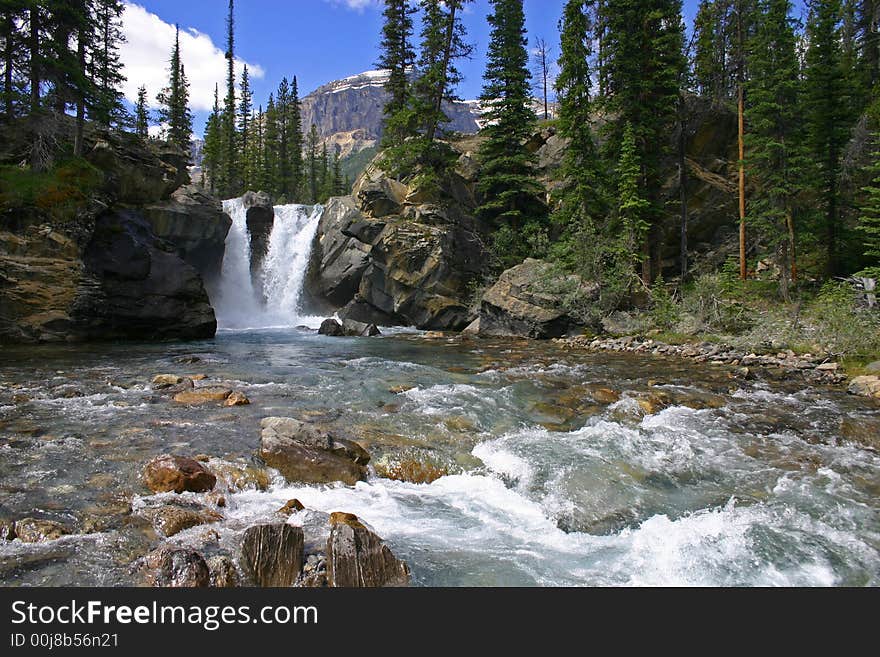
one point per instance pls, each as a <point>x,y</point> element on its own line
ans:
<point>716,481</point>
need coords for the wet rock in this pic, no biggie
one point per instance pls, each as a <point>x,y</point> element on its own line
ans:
<point>7,530</point>
<point>235,477</point>
<point>653,404</point>
<point>411,471</point>
<point>605,395</point>
<point>34,530</point>
<point>353,328</point>
<point>314,575</point>
<point>223,573</point>
<point>865,386</point>
<point>237,399</point>
<point>304,453</point>
<point>332,328</point>
<point>291,507</point>
<point>873,368</point>
<point>166,381</point>
<point>272,555</point>
<point>397,390</point>
<point>168,473</point>
<point>170,520</point>
<point>521,304</point>
<point>473,328</point>
<point>212,394</point>
<point>187,360</point>
<point>356,557</point>
<point>176,568</point>
<point>862,431</point>
<point>360,311</point>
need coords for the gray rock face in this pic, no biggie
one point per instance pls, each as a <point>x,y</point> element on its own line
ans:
<point>360,329</point>
<point>260,219</point>
<point>332,328</point>
<point>339,258</point>
<point>519,305</point>
<point>272,555</point>
<point>304,453</point>
<point>195,224</point>
<point>136,286</point>
<point>357,558</point>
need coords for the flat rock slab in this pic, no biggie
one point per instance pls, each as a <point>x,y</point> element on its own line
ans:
<point>208,395</point>
<point>273,554</point>
<point>303,452</point>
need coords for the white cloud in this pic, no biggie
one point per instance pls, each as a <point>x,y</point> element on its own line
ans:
<point>357,5</point>
<point>147,50</point>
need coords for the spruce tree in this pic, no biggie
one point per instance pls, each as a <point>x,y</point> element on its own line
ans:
<point>581,206</point>
<point>643,65</point>
<point>632,209</point>
<point>213,149</point>
<point>245,108</point>
<point>142,114</point>
<point>827,104</point>
<point>173,100</point>
<point>313,166</point>
<point>775,139</point>
<point>231,182</point>
<point>397,57</point>
<point>338,181</point>
<point>105,67</point>
<point>869,219</point>
<point>13,19</point>
<point>270,181</point>
<point>510,192</point>
<point>293,119</point>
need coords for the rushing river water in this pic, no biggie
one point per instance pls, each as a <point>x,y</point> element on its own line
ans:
<point>711,481</point>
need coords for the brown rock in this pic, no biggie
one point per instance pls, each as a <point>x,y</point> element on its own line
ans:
<point>7,530</point>
<point>239,476</point>
<point>34,530</point>
<point>161,381</point>
<point>356,557</point>
<point>861,430</point>
<point>605,396</point>
<point>865,386</point>
<point>237,399</point>
<point>272,555</point>
<point>291,507</point>
<point>168,473</point>
<point>170,520</point>
<point>304,453</point>
<point>176,568</point>
<point>203,395</point>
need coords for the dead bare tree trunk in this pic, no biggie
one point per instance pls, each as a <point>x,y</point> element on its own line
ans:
<point>542,54</point>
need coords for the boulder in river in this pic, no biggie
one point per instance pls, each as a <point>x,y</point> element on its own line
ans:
<point>305,453</point>
<point>357,557</point>
<point>865,386</point>
<point>224,574</point>
<point>211,394</point>
<point>332,328</point>
<point>35,530</point>
<point>176,568</point>
<point>171,519</point>
<point>520,304</point>
<point>179,474</point>
<point>237,399</point>
<point>360,329</point>
<point>272,555</point>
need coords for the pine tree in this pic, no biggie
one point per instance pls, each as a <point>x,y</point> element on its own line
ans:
<point>293,119</point>
<point>173,100</point>
<point>643,65</point>
<point>142,114</point>
<point>338,181</point>
<point>511,194</point>
<point>106,65</point>
<point>397,57</point>
<point>245,108</point>
<point>213,149</point>
<point>633,209</point>
<point>827,105</point>
<point>775,139</point>
<point>581,205</point>
<point>13,18</point>
<point>270,149</point>
<point>231,178</point>
<point>869,221</point>
<point>313,165</point>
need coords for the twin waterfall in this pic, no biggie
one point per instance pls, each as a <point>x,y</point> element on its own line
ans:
<point>276,299</point>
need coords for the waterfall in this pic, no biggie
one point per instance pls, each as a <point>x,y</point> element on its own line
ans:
<point>237,304</point>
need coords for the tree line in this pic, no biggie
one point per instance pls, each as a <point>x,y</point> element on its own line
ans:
<point>248,148</point>
<point>805,92</point>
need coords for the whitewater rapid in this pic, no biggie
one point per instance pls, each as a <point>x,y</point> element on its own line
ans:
<point>276,302</point>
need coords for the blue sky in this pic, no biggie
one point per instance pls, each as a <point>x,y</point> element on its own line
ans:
<point>316,40</point>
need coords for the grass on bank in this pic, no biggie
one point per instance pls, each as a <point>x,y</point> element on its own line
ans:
<point>61,192</point>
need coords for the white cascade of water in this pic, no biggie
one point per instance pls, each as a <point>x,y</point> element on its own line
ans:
<point>237,304</point>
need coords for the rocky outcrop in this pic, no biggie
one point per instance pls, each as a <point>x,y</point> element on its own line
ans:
<point>396,254</point>
<point>303,452</point>
<point>331,328</point>
<point>135,286</point>
<point>195,224</point>
<point>172,519</point>
<point>35,530</point>
<point>357,557</point>
<point>865,386</point>
<point>179,474</point>
<point>520,304</point>
<point>272,555</point>
<point>260,219</point>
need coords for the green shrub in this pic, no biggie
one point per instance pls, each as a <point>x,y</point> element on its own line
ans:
<point>841,325</point>
<point>61,192</point>
<point>664,310</point>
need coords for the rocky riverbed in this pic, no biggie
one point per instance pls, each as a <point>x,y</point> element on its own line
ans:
<point>435,459</point>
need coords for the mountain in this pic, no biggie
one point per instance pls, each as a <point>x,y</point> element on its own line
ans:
<point>348,113</point>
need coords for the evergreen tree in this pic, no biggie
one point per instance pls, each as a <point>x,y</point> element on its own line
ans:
<point>313,165</point>
<point>231,185</point>
<point>142,114</point>
<point>775,139</point>
<point>338,187</point>
<point>13,18</point>
<point>293,119</point>
<point>174,113</point>
<point>245,108</point>
<point>633,209</point>
<point>643,65</point>
<point>512,203</point>
<point>827,105</point>
<point>867,16</point>
<point>270,181</point>
<point>581,207</point>
<point>869,221</point>
<point>397,57</point>
<point>325,183</point>
<point>213,149</point>
<point>105,67</point>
